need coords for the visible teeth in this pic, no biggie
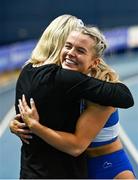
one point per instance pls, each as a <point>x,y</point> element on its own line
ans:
<point>70,61</point>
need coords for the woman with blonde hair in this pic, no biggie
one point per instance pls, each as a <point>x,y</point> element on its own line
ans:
<point>52,40</point>
<point>57,92</point>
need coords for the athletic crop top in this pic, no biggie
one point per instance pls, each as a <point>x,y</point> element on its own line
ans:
<point>109,132</point>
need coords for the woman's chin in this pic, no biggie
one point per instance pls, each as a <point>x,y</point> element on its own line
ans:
<point>68,67</point>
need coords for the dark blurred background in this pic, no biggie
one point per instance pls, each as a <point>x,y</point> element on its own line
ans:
<point>26,19</point>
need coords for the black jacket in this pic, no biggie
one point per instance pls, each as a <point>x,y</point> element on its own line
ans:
<point>57,93</point>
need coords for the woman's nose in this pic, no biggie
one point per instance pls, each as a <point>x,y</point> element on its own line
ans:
<point>71,52</point>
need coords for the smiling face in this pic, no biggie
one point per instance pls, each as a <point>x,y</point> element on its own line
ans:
<point>78,53</point>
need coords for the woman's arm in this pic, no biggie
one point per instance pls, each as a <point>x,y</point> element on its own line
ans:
<point>78,85</point>
<point>88,126</point>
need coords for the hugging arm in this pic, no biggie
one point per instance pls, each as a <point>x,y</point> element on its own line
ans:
<point>88,126</point>
<point>106,94</point>
<point>95,90</point>
<point>81,86</point>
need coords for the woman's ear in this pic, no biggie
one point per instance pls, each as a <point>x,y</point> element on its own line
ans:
<point>95,62</point>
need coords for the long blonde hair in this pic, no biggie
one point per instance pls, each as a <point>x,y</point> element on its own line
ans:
<point>53,38</point>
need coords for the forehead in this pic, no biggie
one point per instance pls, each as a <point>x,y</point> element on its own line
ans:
<point>80,38</point>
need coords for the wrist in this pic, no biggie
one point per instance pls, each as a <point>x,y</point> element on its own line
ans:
<point>33,124</point>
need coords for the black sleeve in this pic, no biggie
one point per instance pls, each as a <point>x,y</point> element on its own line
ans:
<point>78,85</point>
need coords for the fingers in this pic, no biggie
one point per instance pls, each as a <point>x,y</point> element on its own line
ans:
<point>18,127</point>
<point>23,131</point>
<point>14,126</point>
<point>18,117</point>
<point>11,126</point>
<point>25,141</point>
<point>25,138</point>
<point>24,134</point>
<point>21,125</point>
<point>21,110</point>
<point>28,114</point>
<point>24,106</point>
<point>32,103</point>
<point>24,103</point>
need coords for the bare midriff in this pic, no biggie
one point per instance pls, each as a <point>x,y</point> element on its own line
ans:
<point>105,149</point>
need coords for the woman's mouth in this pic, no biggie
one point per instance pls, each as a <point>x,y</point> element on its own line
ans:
<point>71,62</point>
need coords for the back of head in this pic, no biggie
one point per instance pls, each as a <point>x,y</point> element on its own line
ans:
<point>53,38</point>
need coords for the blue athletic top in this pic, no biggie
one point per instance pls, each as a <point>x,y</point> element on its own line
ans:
<point>109,132</point>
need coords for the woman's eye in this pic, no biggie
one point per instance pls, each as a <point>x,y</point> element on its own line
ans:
<point>81,51</point>
<point>67,46</point>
